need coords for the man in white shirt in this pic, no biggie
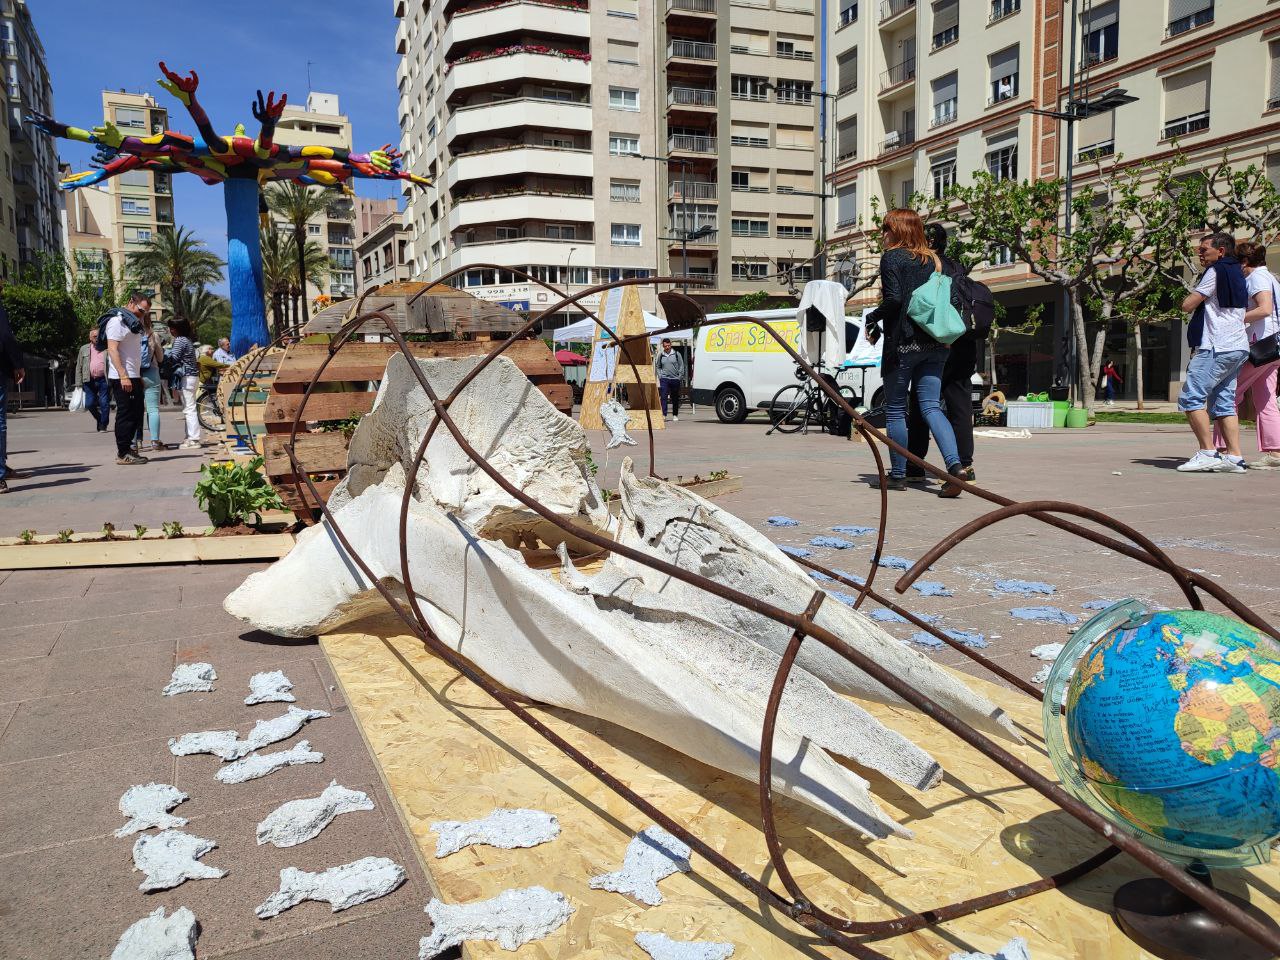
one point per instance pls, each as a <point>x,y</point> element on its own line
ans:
<point>223,354</point>
<point>1220,347</point>
<point>124,373</point>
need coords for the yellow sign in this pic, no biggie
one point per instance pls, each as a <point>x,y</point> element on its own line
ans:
<point>751,337</point>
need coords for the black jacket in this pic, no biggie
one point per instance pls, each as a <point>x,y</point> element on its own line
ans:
<point>900,275</point>
<point>10,352</point>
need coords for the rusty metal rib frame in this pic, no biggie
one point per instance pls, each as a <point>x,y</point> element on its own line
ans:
<point>848,935</point>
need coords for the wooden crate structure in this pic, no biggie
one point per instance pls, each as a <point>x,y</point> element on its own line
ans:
<point>242,394</point>
<point>348,384</point>
<point>629,367</point>
<point>422,308</point>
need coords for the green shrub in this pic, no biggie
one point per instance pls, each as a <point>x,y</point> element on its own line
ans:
<point>44,321</point>
<point>231,493</point>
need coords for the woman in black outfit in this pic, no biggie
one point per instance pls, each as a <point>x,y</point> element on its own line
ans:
<point>910,354</point>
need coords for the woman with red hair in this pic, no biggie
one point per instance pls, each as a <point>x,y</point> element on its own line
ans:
<point>910,354</point>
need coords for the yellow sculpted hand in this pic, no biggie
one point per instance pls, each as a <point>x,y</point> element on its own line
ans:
<point>108,135</point>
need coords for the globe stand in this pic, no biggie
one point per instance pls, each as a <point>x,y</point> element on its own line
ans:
<point>1167,923</point>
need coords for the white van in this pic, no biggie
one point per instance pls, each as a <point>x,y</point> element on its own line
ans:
<point>739,367</point>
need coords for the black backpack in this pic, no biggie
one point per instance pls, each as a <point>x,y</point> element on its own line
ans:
<point>976,304</point>
<point>106,318</point>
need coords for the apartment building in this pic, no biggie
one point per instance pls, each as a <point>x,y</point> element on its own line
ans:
<point>383,253</point>
<point>141,201</point>
<point>584,143</point>
<point>8,210</point>
<point>321,122</point>
<point>33,167</point>
<point>927,93</point>
<point>368,214</point>
<point>89,227</point>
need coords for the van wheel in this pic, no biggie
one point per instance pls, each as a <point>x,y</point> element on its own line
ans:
<point>731,405</point>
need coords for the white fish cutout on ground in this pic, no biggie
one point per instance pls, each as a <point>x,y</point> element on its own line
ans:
<point>227,746</point>
<point>170,858</point>
<point>616,418</point>
<point>505,829</point>
<point>652,855</point>
<point>148,805</point>
<point>341,887</point>
<point>661,947</point>
<point>512,918</point>
<point>628,645</point>
<point>190,678</point>
<point>157,937</point>
<point>270,687</point>
<point>260,764</point>
<point>298,821</point>
<point>1015,949</point>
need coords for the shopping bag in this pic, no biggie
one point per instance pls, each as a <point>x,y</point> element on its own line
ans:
<point>77,400</point>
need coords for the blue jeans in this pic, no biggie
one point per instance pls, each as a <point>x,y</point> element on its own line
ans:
<point>151,403</point>
<point>97,400</point>
<point>4,426</point>
<point>1211,382</point>
<point>669,390</point>
<point>924,368</point>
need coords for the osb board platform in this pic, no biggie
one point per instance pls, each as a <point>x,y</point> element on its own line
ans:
<point>447,751</point>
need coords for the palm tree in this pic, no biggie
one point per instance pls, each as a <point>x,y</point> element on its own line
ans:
<point>297,204</point>
<point>202,308</point>
<point>174,260</point>
<point>280,271</point>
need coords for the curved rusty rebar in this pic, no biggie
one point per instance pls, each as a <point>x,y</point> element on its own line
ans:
<point>832,928</point>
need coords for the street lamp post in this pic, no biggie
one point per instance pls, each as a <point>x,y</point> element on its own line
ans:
<point>685,233</point>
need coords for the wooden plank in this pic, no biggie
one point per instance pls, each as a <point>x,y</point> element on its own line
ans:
<point>367,361</point>
<point>316,452</point>
<point>978,831</point>
<point>115,553</point>
<point>281,408</point>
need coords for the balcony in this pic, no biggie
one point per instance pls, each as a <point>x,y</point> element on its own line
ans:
<point>1185,125</point>
<point>517,160</point>
<point>402,37</point>
<point>691,6</point>
<point>1096,151</point>
<point>708,280</point>
<point>518,112</point>
<point>1198,19</point>
<point>468,26</point>
<point>898,75</point>
<point>492,71</point>
<point>697,190</point>
<point>515,207</point>
<point>890,9</point>
<point>1273,103</point>
<point>897,139</point>
<point>944,113</point>
<point>695,97</point>
<point>517,250</point>
<point>687,143</point>
<point>944,38</point>
<point>1003,8</point>
<point>691,50</point>
<point>848,15</point>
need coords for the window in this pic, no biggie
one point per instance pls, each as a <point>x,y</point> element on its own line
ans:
<point>847,64</point>
<point>313,229</point>
<point>787,50</point>
<point>750,269</point>
<point>795,137</point>
<point>129,117</point>
<point>624,234</point>
<point>137,234</point>
<point>1000,256</point>
<point>559,143</point>
<point>1101,29</point>
<point>134,178</point>
<point>557,93</point>
<point>624,191</point>
<point>629,9</point>
<point>945,99</point>
<point>135,207</point>
<point>1273,93</point>
<point>846,205</point>
<point>748,41</point>
<point>1004,75</point>
<point>795,91</point>
<point>946,23</point>
<point>847,138</point>
<point>848,12</point>
<point>748,140</point>
<point>743,87</point>
<point>623,51</point>
<point>431,129</point>
<point>1186,15</point>
<point>621,144</point>
<point>799,272</point>
<point>942,171</point>
<point>560,231</point>
<point>750,227</point>
<point>1002,160</point>
<point>624,98</point>
<point>509,233</point>
<point>794,232</point>
<point>1186,102</point>
<point>740,180</point>
<point>1096,137</point>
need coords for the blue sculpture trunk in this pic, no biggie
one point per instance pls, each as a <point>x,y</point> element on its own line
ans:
<point>244,267</point>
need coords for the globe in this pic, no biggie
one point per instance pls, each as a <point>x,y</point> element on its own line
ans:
<point>1168,723</point>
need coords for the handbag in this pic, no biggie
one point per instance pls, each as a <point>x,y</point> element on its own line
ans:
<point>933,312</point>
<point>1266,349</point>
<point>77,401</point>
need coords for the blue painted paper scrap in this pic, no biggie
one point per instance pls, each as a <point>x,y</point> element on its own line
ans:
<point>820,577</point>
<point>1044,615</point>
<point>832,543</point>
<point>852,529</point>
<point>782,522</point>
<point>931,588</point>
<point>887,616</point>
<point>925,639</point>
<point>895,563</point>
<point>1097,604</point>
<point>796,551</point>
<point>1025,588</point>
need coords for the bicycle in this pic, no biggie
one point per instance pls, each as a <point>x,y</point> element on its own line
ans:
<point>797,404</point>
<point>208,409</point>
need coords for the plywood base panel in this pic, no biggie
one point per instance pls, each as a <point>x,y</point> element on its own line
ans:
<point>448,752</point>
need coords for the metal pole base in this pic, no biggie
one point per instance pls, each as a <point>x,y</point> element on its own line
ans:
<point>1170,925</point>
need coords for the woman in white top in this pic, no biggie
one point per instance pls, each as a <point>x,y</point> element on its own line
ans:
<point>1262,320</point>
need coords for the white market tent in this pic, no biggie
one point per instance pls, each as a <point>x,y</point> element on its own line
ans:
<point>584,330</point>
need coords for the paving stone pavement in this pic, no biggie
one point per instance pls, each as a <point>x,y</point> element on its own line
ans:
<point>84,654</point>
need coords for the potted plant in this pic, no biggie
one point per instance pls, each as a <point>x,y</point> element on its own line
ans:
<point>232,493</point>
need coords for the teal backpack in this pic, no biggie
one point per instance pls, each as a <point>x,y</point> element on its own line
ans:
<point>931,309</point>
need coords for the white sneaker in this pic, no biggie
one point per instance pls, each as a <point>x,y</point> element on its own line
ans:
<point>1229,464</point>
<point>1202,462</point>
<point>675,419</point>
<point>1268,461</point>
<point>191,445</point>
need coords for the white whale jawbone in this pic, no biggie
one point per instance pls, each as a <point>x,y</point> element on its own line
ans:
<point>627,646</point>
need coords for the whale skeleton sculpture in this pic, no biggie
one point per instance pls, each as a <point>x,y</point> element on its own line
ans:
<point>628,645</point>
<point>848,935</point>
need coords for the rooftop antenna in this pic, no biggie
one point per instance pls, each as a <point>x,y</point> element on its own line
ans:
<point>308,77</point>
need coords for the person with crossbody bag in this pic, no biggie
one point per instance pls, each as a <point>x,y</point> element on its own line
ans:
<point>919,321</point>
<point>1258,376</point>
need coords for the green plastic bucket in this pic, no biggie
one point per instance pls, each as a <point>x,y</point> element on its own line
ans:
<point>1060,408</point>
<point>1077,417</point>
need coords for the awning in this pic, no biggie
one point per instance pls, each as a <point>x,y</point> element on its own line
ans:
<point>584,331</point>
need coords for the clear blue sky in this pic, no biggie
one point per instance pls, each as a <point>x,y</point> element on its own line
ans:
<point>236,46</point>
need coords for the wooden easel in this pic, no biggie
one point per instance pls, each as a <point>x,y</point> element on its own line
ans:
<point>620,310</point>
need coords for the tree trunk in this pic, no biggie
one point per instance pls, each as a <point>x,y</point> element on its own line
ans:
<point>1088,383</point>
<point>1137,342</point>
<point>300,241</point>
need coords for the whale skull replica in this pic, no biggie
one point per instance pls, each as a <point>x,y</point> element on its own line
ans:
<point>628,645</point>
